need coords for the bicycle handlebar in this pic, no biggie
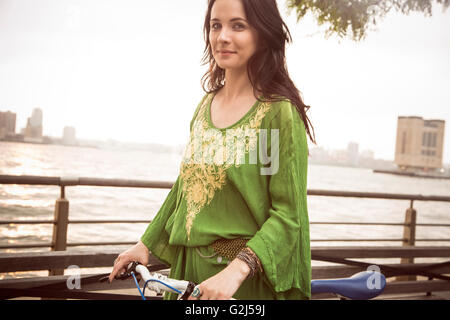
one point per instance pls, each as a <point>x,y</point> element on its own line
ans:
<point>157,282</point>
<point>358,286</point>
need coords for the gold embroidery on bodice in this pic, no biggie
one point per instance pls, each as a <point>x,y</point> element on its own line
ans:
<point>210,152</point>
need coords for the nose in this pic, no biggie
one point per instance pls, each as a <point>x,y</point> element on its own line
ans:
<point>224,35</point>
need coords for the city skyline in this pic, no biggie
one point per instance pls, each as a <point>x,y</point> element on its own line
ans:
<point>84,72</point>
<point>33,131</point>
<point>351,156</point>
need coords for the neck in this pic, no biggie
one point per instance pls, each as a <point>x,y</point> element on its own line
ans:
<point>237,84</point>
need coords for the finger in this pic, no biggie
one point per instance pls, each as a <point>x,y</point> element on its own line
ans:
<point>204,294</point>
<point>112,275</point>
<point>196,292</point>
<point>118,269</point>
<point>122,268</point>
<point>114,270</point>
<point>116,273</point>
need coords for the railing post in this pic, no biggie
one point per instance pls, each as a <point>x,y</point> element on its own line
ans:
<point>59,241</point>
<point>409,239</point>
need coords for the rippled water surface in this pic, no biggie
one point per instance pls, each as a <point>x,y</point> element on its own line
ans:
<point>24,202</point>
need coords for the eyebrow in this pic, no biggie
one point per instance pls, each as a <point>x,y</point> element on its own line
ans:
<point>234,19</point>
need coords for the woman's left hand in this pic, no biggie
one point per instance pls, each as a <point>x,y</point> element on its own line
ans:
<point>224,285</point>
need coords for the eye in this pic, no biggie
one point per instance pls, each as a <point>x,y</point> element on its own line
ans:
<point>239,26</point>
<point>215,26</point>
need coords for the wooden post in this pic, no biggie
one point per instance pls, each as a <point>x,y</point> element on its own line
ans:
<point>59,242</point>
<point>409,239</point>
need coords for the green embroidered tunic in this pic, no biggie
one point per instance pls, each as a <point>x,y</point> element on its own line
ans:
<point>244,181</point>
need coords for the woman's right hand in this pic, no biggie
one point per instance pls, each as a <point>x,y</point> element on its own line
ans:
<point>139,252</point>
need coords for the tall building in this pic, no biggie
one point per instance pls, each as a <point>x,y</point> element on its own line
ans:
<point>33,131</point>
<point>419,144</point>
<point>69,136</point>
<point>7,124</point>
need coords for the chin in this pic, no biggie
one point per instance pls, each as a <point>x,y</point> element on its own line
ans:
<point>227,65</point>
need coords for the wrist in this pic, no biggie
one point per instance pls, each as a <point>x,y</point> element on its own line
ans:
<point>241,268</point>
<point>143,246</point>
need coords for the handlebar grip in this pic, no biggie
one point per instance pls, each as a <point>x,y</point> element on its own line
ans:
<point>156,286</point>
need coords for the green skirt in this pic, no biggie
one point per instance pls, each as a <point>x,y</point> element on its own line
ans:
<point>197,264</point>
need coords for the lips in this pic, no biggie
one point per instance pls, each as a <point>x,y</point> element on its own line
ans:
<point>226,51</point>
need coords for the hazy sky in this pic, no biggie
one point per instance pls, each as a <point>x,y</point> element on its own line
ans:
<point>130,71</point>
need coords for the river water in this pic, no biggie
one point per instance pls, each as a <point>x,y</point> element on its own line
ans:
<point>37,202</point>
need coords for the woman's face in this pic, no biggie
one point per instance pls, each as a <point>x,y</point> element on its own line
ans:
<point>233,40</point>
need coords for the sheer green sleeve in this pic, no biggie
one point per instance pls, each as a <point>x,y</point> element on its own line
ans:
<point>155,237</point>
<point>282,244</point>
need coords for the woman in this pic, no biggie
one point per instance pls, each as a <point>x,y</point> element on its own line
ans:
<point>236,219</point>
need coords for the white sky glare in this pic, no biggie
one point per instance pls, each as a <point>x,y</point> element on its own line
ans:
<point>130,71</point>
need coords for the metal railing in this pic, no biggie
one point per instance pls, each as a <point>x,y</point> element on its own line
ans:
<point>61,213</point>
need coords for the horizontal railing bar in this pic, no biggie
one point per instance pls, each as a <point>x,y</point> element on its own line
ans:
<point>382,224</point>
<point>27,222</point>
<point>380,251</point>
<point>376,195</point>
<point>343,271</point>
<point>32,180</point>
<point>71,221</point>
<point>432,239</point>
<point>317,251</point>
<point>100,182</point>
<point>359,240</point>
<point>432,225</point>
<point>78,244</point>
<point>108,221</point>
<point>148,221</point>
<point>404,287</point>
<point>83,181</point>
<point>363,223</point>
<point>26,246</point>
<point>73,244</point>
<point>86,181</point>
<point>27,261</point>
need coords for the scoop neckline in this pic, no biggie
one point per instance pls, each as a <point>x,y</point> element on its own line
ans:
<point>208,109</point>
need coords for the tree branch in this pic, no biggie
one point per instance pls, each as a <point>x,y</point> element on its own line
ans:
<point>354,17</point>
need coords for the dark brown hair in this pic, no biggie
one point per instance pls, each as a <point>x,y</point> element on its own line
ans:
<point>267,68</point>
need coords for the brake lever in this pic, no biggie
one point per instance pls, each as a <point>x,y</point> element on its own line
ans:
<point>127,274</point>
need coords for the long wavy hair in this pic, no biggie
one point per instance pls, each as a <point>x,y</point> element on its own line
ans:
<point>267,68</point>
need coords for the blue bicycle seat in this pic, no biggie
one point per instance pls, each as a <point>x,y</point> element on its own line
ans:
<point>362,285</point>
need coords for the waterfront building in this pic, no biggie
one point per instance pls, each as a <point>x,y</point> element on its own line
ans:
<point>7,124</point>
<point>33,131</point>
<point>69,137</point>
<point>419,144</point>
